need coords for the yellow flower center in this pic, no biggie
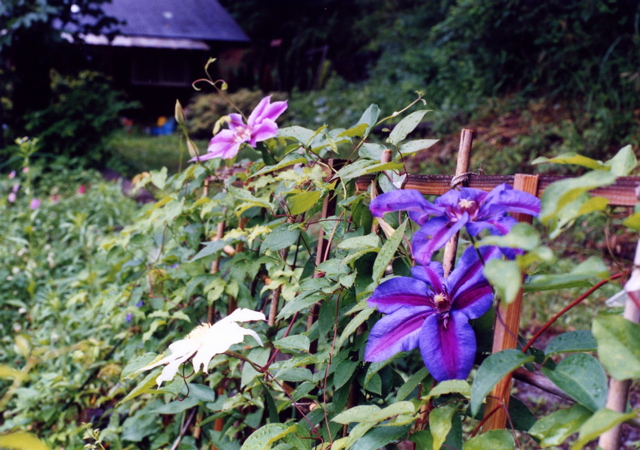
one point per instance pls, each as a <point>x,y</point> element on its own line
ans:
<point>466,204</point>
<point>439,299</point>
<point>243,134</point>
<point>198,332</point>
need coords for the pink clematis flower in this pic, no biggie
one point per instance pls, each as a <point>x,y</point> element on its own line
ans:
<point>260,126</point>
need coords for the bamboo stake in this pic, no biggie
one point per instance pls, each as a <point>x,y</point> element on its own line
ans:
<point>506,328</point>
<point>619,389</point>
<point>462,169</point>
<point>451,248</point>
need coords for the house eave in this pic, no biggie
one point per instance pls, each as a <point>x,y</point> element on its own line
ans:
<point>142,42</point>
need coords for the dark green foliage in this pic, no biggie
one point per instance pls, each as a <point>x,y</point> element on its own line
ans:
<point>84,111</point>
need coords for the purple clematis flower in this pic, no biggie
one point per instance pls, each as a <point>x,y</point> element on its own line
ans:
<point>440,220</point>
<point>433,313</point>
<point>260,126</point>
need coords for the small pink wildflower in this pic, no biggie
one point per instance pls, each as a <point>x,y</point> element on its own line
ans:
<point>35,204</point>
<point>81,189</point>
<point>12,175</point>
<point>12,197</point>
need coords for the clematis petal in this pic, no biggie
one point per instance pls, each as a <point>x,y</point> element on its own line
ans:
<point>448,346</point>
<point>432,274</point>
<point>266,110</point>
<point>219,339</point>
<point>469,269</point>
<point>169,372</point>
<point>405,200</point>
<point>433,235</point>
<point>235,121</point>
<point>225,333</point>
<point>475,301</point>
<point>243,315</point>
<point>451,199</point>
<point>182,349</point>
<point>500,224</point>
<point>505,198</point>
<point>397,332</point>
<point>400,292</point>
<point>265,130</point>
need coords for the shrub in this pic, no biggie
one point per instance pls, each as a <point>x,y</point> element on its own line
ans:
<point>85,110</point>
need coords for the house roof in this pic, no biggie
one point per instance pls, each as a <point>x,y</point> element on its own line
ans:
<point>204,20</point>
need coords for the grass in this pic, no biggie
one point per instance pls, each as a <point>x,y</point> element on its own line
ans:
<point>142,152</point>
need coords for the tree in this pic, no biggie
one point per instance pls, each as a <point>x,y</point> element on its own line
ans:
<point>31,38</point>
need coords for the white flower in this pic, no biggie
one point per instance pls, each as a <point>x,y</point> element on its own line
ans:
<point>205,341</point>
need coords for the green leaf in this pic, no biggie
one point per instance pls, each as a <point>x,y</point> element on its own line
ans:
<point>601,421</point>
<point>300,134</point>
<point>505,276</point>
<point>248,200</point>
<point>379,437</point>
<point>360,242</point>
<point>623,163</point>
<point>572,158</point>
<point>293,344</point>
<point>287,161</point>
<point>343,373</point>
<point>563,192</point>
<point>423,439</point>
<point>450,387</point>
<point>136,364</point>
<point>522,235</point>
<point>440,423</point>
<point>371,151</point>
<point>360,413</point>
<point>357,130</point>
<point>369,117</point>
<point>177,406</point>
<point>353,325</point>
<point>415,146</point>
<point>144,387</point>
<point>411,384</point>
<point>580,276</point>
<point>633,221</point>
<point>303,202</point>
<point>554,429</point>
<point>593,204</point>
<point>354,170</point>
<point>406,126</point>
<point>395,409</point>
<point>159,178</point>
<point>384,166</point>
<point>263,437</point>
<point>492,370</point>
<point>211,247</point>
<point>388,251</point>
<point>572,341</point>
<point>581,376</point>
<point>272,409</point>
<point>9,372</point>
<point>299,303</point>
<point>23,441</point>
<point>284,236</point>
<point>618,347</point>
<point>494,440</point>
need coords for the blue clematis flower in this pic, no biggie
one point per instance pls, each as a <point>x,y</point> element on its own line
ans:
<point>473,208</point>
<point>433,313</point>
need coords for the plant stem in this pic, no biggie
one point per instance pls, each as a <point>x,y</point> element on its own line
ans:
<point>568,307</point>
